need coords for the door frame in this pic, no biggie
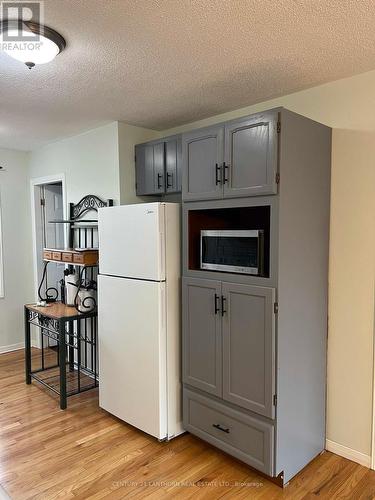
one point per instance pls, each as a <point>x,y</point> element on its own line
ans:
<point>372,456</point>
<point>40,181</point>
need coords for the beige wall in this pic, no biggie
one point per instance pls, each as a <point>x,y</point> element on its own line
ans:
<point>89,162</point>
<point>349,107</point>
<point>16,235</point>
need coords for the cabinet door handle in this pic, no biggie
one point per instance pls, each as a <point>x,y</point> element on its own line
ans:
<point>160,176</point>
<point>223,301</point>
<point>217,307</point>
<point>221,428</point>
<point>225,170</point>
<point>217,174</point>
<point>169,176</point>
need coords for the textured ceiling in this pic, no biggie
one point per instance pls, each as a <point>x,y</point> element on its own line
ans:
<point>163,63</point>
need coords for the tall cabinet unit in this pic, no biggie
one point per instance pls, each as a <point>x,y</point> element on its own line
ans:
<point>254,346</point>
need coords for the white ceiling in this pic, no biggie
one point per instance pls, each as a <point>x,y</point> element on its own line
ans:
<point>160,63</point>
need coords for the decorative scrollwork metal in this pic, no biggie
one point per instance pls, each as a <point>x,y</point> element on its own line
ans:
<point>50,324</point>
<point>86,204</point>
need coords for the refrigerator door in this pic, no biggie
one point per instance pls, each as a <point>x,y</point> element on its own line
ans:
<point>132,352</point>
<point>132,241</point>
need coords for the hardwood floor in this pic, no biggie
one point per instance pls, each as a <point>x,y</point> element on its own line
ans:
<point>85,453</point>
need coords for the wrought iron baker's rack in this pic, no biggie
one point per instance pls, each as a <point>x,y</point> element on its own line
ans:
<point>73,329</point>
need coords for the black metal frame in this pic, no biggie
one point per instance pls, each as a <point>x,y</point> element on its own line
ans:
<point>76,336</point>
<point>67,332</point>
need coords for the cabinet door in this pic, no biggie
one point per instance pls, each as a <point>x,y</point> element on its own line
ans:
<point>251,156</point>
<point>159,168</point>
<point>173,165</point>
<point>149,169</point>
<point>202,152</point>
<point>144,169</point>
<point>249,347</point>
<point>202,358</point>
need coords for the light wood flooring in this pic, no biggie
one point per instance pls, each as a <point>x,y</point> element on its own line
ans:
<point>85,453</point>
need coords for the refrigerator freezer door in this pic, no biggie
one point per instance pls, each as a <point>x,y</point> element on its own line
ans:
<point>132,352</point>
<point>132,241</point>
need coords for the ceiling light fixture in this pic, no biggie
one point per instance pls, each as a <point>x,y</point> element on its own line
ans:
<point>29,42</point>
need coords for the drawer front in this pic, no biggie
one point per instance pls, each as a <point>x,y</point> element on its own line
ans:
<point>246,438</point>
<point>78,258</point>
<point>56,255</point>
<point>47,254</point>
<point>67,257</point>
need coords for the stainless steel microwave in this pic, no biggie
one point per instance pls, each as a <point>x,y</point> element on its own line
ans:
<point>239,251</point>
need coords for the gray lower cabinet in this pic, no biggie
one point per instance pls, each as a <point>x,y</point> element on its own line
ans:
<point>202,341</point>
<point>246,437</point>
<point>250,160</point>
<point>158,167</point>
<point>249,347</point>
<point>202,153</point>
<point>229,345</point>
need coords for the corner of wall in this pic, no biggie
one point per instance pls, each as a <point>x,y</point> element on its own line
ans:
<point>128,137</point>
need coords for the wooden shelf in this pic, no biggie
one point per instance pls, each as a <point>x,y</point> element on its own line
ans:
<point>73,221</point>
<point>56,310</point>
<point>72,256</point>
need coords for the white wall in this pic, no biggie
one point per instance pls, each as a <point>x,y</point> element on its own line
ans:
<point>16,222</point>
<point>89,162</point>
<point>348,106</point>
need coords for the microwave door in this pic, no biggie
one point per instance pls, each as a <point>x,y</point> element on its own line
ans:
<point>232,251</point>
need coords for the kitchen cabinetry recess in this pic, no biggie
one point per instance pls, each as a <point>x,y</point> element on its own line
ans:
<point>254,346</point>
<point>158,167</point>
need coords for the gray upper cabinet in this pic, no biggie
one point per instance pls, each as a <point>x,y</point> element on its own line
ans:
<point>144,172</point>
<point>202,349</point>
<point>158,172</point>
<point>234,159</point>
<point>249,347</point>
<point>158,167</point>
<point>250,164</point>
<point>149,171</point>
<point>202,152</point>
<point>173,165</point>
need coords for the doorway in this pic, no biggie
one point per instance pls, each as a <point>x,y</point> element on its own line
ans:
<point>48,203</point>
<point>49,206</point>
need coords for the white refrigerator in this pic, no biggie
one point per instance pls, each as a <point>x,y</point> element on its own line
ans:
<point>139,316</point>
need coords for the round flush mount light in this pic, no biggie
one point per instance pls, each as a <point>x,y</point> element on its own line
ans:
<point>30,43</point>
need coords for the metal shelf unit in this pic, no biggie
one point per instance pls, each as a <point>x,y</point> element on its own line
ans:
<point>72,329</point>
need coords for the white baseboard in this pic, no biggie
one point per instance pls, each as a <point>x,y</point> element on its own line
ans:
<point>12,347</point>
<point>349,453</point>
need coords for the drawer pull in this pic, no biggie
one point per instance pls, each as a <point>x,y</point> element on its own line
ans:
<point>220,428</point>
